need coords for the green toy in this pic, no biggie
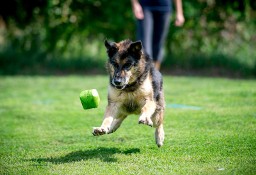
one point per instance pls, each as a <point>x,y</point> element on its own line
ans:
<point>90,98</point>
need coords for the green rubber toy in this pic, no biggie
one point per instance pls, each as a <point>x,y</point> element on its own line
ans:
<point>90,98</point>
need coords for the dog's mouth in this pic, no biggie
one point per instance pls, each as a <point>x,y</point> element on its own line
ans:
<point>119,87</point>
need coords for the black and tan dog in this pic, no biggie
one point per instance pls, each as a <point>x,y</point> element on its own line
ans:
<point>135,87</point>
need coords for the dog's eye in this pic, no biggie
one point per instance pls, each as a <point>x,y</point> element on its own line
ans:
<point>127,65</point>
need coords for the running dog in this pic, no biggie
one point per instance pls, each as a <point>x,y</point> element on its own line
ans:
<point>135,87</point>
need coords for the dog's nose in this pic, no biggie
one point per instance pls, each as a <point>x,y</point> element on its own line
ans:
<point>117,81</point>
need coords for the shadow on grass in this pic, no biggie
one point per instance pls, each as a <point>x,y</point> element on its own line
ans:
<point>103,154</point>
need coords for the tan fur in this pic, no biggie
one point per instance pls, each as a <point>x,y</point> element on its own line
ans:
<point>139,101</point>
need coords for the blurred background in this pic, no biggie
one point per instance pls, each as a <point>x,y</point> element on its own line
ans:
<point>67,36</point>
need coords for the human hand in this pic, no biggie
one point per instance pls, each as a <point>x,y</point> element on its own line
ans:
<point>137,10</point>
<point>179,20</point>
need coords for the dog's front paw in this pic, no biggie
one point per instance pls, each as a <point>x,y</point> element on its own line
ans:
<point>97,131</point>
<point>145,121</point>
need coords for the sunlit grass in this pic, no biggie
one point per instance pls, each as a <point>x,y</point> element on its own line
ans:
<point>44,129</point>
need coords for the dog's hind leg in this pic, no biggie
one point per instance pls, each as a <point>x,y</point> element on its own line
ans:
<point>157,119</point>
<point>159,135</point>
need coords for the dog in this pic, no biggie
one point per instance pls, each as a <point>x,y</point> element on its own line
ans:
<point>135,87</point>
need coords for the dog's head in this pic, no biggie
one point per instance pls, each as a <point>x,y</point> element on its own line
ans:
<point>124,63</point>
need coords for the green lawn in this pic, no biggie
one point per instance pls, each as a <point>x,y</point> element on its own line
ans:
<point>210,126</point>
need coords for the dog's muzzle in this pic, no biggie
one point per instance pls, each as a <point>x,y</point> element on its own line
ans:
<point>118,82</point>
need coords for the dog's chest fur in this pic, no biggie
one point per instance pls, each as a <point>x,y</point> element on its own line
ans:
<point>132,102</point>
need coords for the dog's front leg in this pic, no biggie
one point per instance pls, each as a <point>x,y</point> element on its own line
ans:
<point>146,112</point>
<point>112,120</point>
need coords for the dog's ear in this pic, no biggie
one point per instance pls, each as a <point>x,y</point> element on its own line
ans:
<point>108,44</point>
<point>111,48</point>
<point>135,47</point>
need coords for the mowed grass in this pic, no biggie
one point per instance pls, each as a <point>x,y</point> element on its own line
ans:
<point>210,126</point>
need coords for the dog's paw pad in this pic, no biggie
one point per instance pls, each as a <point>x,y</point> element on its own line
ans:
<point>97,131</point>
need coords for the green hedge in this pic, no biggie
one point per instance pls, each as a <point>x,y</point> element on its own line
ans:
<point>68,35</point>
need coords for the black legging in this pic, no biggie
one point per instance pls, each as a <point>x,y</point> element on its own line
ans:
<point>152,31</point>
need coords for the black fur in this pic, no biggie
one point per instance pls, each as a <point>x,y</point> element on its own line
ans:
<point>157,83</point>
<point>135,53</point>
<point>142,77</point>
<point>136,87</point>
<point>111,48</point>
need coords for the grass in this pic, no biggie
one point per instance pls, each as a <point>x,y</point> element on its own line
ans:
<point>44,129</point>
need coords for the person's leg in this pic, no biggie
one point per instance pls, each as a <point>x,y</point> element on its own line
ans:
<point>161,27</point>
<point>145,31</point>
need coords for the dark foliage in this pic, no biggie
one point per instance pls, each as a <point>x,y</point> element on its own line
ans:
<point>41,33</point>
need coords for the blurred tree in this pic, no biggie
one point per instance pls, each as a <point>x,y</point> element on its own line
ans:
<point>51,26</point>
